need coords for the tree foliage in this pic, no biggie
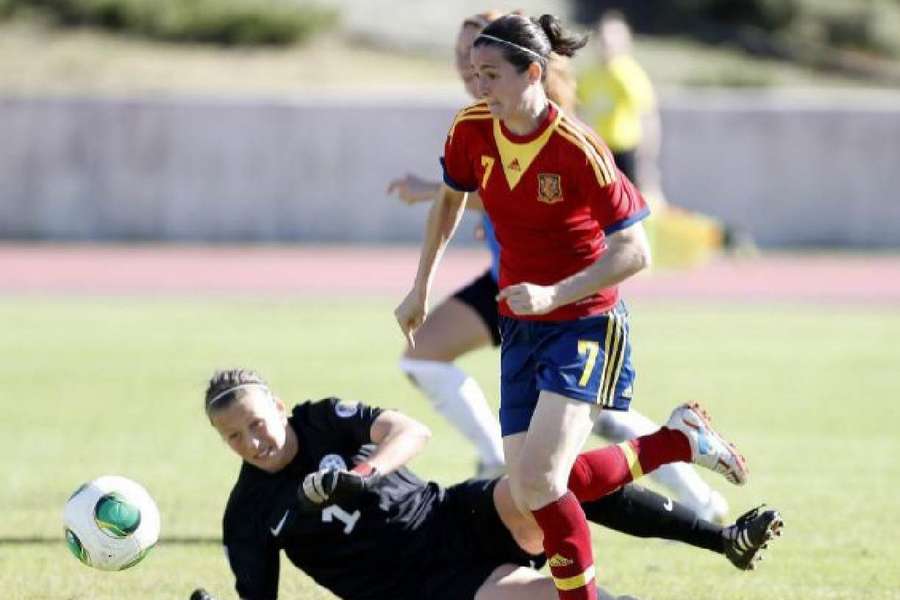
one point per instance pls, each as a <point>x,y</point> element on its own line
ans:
<point>225,22</point>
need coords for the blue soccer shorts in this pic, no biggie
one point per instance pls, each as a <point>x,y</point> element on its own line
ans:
<point>586,359</point>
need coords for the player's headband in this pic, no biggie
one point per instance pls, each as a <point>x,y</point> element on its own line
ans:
<point>232,390</point>
<point>508,43</point>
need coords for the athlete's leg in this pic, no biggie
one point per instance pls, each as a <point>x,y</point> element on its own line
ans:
<point>451,330</point>
<point>688,436</point>
<point>558,429</point>
<point>521,524</point>
<point>637,511</point>
<point>644,513</point>
<point>632,510</point>
<point>512,449</point>
<point>599,472</point>
<point>512,582</point>
<point>640,512</point>
<point>684,482</point>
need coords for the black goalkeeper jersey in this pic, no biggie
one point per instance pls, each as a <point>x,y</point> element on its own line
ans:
<point>349,549</point>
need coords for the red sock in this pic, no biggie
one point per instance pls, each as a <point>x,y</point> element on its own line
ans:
<point>567,544</point>
<point>599,472</point>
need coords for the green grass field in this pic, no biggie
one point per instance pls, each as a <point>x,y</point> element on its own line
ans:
<point>91,387</point>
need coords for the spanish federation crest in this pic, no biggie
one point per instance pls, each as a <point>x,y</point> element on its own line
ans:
<point>550,188</point>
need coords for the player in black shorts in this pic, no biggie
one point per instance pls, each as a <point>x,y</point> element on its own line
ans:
<point>326,484</point>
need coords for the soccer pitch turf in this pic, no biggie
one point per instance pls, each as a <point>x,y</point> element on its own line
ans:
<point>93,387</point>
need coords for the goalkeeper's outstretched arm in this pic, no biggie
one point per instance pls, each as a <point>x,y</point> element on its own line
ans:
<point>397,439</point>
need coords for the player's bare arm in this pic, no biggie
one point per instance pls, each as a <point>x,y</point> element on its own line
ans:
<point>627,253</point>
<point>443,219</point>
<point>412,189</point>
<point>398,439</point>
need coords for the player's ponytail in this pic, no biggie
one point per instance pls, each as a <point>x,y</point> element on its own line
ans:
<point>562,41</point>
<point>524,41</point>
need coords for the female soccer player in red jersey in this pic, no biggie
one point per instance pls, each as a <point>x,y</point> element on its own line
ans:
<point>568,224</point>
<point>468,320</point>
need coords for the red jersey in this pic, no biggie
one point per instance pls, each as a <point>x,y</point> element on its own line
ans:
<point>552,197</point>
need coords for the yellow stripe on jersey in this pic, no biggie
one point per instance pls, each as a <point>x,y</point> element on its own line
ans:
<point>599,159</point>
<point>595,141</point>
<point>477,107</point>
<point>631,458</point>
<point>475,111</point>
<point>595,151</point>
<point>516,158</point>
<point>602,177</point>
<point>467,118</point>
<point>576,581</point>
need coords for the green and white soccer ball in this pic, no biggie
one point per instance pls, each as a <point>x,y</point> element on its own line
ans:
<point>111,523</point>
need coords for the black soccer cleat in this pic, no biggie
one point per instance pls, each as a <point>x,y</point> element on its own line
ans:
<point>201,594</point>
<point>750,535</point>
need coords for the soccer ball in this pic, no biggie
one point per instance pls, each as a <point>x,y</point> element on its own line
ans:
<point>111,523</point>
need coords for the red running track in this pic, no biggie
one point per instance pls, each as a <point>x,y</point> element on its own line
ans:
<point>169,270</point>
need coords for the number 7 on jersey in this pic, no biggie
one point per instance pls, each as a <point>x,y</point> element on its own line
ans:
<point>592,349</point>
<point>349,520</point>
<point>487,162</point>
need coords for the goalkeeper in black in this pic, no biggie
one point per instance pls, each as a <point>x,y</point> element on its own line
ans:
<point>326,484</point>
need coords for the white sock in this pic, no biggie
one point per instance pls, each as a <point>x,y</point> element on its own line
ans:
<point>459,398</point>
<point>681,478</point>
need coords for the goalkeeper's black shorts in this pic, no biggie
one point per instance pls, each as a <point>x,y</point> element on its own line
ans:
<point>467,542</point>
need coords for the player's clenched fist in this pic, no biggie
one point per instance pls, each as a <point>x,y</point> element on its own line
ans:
<point>528,298</point>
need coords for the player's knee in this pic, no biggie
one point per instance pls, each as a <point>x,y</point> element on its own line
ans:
<point>538,485</point>
<point>417,352</point>
<point>516,492</point>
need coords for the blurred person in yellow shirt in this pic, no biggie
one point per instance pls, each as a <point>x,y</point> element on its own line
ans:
<point>617,99</point>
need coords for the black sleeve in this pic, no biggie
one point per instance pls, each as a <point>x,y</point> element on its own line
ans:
<point>351,422</point>
<point>253,558</point>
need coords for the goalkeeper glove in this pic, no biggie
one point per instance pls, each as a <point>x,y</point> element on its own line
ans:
<point>327,487</point>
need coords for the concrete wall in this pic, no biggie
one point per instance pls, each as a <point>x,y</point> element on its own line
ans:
<point>183,170</point>
<point>315,169</point>
<point>793,170</point>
